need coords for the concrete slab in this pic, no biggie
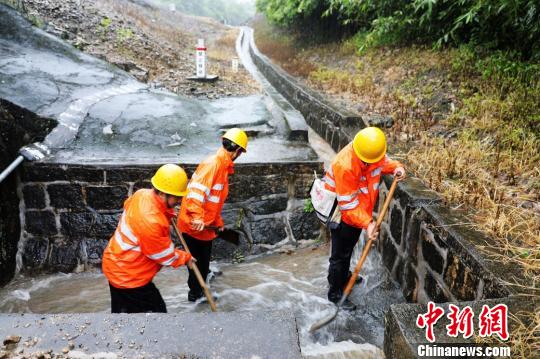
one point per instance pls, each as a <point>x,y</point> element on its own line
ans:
<point>189,335</point>
<point>402,335</point>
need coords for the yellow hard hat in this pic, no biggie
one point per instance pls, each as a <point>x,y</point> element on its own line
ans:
<point>370,144</point>
<point>237,136</point>
<point>171,179</point>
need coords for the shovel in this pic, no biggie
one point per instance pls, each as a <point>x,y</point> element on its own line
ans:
<point>196,271</point>
<point>227,234</point>
<point>365,253</point>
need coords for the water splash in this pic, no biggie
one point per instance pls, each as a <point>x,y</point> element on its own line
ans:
<point>295,282</point>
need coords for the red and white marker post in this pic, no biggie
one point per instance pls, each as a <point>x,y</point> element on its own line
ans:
<point>201,59</point>
<point>200,62</point>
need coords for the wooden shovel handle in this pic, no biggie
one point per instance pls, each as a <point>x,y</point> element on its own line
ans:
<point>196,270</point>
<point>369,243</point>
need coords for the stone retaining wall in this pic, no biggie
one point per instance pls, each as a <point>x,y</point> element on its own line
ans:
<point>69,212</point>
<point>331,123</point>
<point>18,127</point>
<point>430,252</point>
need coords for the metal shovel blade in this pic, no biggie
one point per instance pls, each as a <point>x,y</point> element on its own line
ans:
<point>230,236</point>
<point>227,234</point>
<point>324,321</point>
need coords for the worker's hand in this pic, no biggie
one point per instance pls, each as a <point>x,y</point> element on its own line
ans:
<point>197,225</point>
<point>400,173</point>
<point>372,231</point>
<point>191,261</point>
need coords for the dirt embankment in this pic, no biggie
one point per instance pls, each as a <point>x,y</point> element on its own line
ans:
<point>155,45</point>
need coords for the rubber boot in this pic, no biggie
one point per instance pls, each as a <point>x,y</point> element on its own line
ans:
<point>347,304</point>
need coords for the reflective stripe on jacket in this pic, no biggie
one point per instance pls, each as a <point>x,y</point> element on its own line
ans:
<point>356,185</point>
<point>207,191</point>
<point>141,244</point>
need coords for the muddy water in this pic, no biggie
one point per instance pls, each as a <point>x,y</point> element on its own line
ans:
<point>295,281</point>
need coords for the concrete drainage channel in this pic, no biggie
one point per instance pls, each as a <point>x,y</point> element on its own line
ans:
<point>69,203</point>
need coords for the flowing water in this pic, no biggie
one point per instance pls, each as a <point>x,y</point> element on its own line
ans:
<point>295,281</point>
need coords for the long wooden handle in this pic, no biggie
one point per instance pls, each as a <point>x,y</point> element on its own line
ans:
<point>369,243</point>
<point>196,270</point>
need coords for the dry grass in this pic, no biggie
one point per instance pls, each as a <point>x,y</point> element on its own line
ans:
<point>525,335</point>
<point>224,48</point>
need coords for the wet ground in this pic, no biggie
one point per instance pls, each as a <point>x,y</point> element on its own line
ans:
<point>294,282</point>
<point>106,116</point>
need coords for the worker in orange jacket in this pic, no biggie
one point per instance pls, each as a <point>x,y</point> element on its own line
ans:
<point>200,212</point>
<point>354,176</point>
<point>141,244</point>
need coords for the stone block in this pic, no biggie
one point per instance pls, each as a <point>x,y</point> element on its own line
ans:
<point>35,253</point>
<point>223,250</point>
<point>40,223</point>
<point>232,215</point>
<point>268,230</point>
<point>413,192</point>
<point>304,225</point>
<point>434,290</point>
<point>461,281</point>
<point>106,197</point>
<point>302,184</point>
<point>389,252</point>
<point>130,174</point>
<point>84,173</point>
<point>50,172</point>
<point>65,256</point>
<point>41,172</point>
<point>243,187</point>
<point>412,236</point>
<point>268,205</point>
<point>94,250</point>
<point>396,345</point>
<point>66,196</point>
<point>430,252</point>
<point>82,225</point>
<point>396,224</point>
<point>34,196</point>
<point>408,280</point>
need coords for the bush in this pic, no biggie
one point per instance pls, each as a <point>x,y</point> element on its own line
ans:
<point>494,24</point>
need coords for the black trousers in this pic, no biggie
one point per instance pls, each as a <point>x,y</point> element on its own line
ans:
<point>145,299</point>
<point>344,238</point>
<point>202,251</point>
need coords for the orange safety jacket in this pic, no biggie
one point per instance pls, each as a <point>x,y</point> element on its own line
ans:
<point>356,185</point>
<point>141,244</point>
<point>207,191</point>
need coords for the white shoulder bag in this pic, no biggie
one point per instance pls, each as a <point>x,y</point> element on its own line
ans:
<point>324,201</point>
